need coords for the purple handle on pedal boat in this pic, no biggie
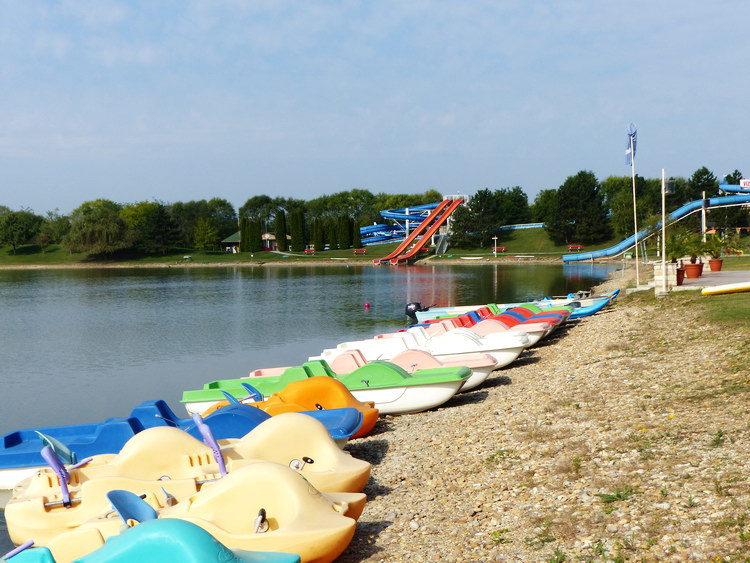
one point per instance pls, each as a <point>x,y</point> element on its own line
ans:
<point>210,441</point>
<point>82,462</point>
<point>54,462</point>
<point>255,395</point>
<point>25,545</point>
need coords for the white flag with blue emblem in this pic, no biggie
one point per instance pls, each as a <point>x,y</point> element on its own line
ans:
<point>630,151</point>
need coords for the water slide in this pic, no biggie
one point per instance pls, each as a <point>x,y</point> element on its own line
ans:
<point>384,233</point>
<point>426,229</point>
<point>675,215</point>
<point>437,216</point>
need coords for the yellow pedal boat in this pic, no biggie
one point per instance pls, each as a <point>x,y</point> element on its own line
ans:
<point>263,506</point>
<point>173,466</point>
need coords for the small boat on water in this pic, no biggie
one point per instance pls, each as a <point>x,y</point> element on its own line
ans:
<point>169,463</point>
<point>20,450</point>
<point>262,506</point>
<point>157,541</point>
<point>497,308</point>
<point>392,389</point>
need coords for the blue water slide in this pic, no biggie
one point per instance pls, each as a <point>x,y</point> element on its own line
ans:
<point>382,233</point>
<point>733,188</point>
<point>676,214</point>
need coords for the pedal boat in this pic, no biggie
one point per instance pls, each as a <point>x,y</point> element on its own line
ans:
<point>262,506</point>
<point>389,387</point>
<point>157,541</point>
<point>310,394</point>
<point>505,347</point>
<point>20,450</point>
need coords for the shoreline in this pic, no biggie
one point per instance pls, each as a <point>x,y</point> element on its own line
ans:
<point>622,438</point>
<point>292,262</point>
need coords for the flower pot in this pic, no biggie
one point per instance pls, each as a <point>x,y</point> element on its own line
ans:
<point>680,275</point>
<point>693,270</point>
<point>715,264</point>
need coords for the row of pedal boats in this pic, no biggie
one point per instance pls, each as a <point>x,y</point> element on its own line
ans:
<point>257,472</point>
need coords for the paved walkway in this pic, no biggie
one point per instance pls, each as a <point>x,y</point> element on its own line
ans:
<point>715,278</point>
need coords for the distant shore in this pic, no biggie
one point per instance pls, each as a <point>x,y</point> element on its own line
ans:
<point>509,259</point>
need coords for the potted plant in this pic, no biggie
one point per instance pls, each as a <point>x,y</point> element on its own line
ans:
<point>695,249</point>
<point>715,245</point>
<point>676,248</point>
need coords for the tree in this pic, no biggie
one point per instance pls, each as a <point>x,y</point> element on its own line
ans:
<point>356,235</point>
<point>727,218</point>
<point>222,215</point>
<point>151,229</point>
<point>97,228</point>
<point>280,230</point>
<point>19,227</point>
<point>344,231</point>
<point>53,230</point>
<point>544,206</point>
<point>618,199</point>
<point>206,236</point>
<point>513,206</point>
<point>331,232</point>
<point>581,216</point>
<point>702,180</point>
<point>318,235</point>
<point>297,229</point>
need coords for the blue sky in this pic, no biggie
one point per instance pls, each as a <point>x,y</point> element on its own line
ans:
<point>191,99</point>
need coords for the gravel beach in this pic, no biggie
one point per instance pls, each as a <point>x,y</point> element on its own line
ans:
<point>622,438</point>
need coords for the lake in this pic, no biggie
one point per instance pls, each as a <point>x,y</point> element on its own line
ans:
<point>83,345</point>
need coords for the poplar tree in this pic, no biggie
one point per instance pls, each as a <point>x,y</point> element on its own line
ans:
<point>280,230</point>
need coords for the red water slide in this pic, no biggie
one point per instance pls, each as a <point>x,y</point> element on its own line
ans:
<point>416,232</point>
<point>431,230</point>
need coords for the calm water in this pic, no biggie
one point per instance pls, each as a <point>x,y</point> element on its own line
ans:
<point>81,346</point>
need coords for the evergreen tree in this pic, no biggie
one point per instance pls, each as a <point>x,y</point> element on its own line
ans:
<point>255,235</point>
<point>244,235</point>
<point>356,235</point>
<point>343,224</point>
<point>318,235</point>
<point>280,230</point>
<point>331,231</point>
<point>206,236</point>
<point>581,216</point>
<point>297,229</point>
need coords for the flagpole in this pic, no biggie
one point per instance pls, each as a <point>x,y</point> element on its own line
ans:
<point>635,215</point>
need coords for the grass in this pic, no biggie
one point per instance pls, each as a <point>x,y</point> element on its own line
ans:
<point>620,493</point>
<point>524,241</point>
<point>55,255</point>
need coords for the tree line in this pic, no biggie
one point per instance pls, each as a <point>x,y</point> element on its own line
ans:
<point>581,210</point>
<point>586,211</point>
<point>104,227</point>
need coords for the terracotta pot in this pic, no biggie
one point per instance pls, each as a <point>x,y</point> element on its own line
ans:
<point>692,270</point>
<point>680,275</point>
<point>715,264</point>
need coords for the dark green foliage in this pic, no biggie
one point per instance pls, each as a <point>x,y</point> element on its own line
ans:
<point>280,230</point>
<point>297,229</point>
<point>702,180</point>
<point>219,212</point>
<point>727,218</point>
<point>331,231</point>
<point>222,215</point>
<point>344,234</point>
<point>580,216</point>
<point>356,235</point>
<point>514,206</point>
<point>19,227</point>
<point>206,236</point>
<point>244,235</point>
<point>618,199</point>
<point>254,236</point>
<point>96,227</point>
<point>478,222</point>
<point>318,235</point>
<point>544,206</point>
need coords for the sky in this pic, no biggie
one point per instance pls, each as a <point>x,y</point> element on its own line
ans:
<point>178,100</point>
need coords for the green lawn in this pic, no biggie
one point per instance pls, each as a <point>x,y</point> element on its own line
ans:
<point>29,255</point>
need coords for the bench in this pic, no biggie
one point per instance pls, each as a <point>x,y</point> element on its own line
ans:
<point>576,247</point>
<point>360,251</point>
<point>499,248</point>
<point>309,251</point>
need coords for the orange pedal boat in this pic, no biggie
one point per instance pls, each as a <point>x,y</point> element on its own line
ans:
<point>313,393</point>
